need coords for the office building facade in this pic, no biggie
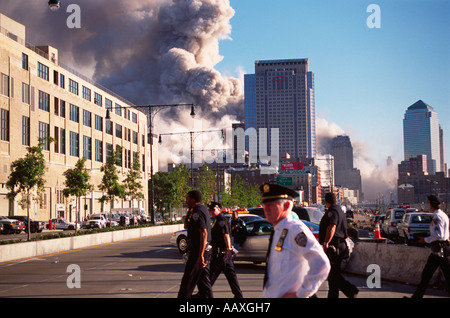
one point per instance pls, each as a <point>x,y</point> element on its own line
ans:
<point>281,93</point>
<point>40,97</point>
<point>422,135</point>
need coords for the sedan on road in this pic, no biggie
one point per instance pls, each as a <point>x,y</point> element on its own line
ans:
<point>254,249</point>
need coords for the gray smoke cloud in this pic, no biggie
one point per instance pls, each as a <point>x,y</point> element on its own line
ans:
<point>147,51</point>
<point>376,179</point>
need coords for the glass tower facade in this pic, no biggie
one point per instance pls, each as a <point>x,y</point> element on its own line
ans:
<point>421,135</point>
<point>281,94</point>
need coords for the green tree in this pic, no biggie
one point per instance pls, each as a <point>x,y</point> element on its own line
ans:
<point>165,191</point>
<point>206,184</point>
<point>27,174</point>
<point>239,194</point>
<point>132,184</point>
<point>110,180</point>
<point>77,182</point>
<point>171,188</point>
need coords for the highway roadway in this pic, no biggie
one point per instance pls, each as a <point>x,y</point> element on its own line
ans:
<point>143,268</point>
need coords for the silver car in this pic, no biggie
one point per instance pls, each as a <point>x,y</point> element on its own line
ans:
<point>254,249</point>
<point>414,225</point>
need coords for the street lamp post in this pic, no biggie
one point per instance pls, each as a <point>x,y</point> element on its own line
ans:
<point>152,111</point>
<point>192,138</point>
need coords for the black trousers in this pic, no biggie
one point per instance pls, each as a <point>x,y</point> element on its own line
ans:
<point>431,266</point>
<point>195,275</point>
<point>336,282</point>
<point>219,265</point>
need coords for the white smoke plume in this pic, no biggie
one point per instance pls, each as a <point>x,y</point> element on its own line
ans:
<point>376,179</point>
<point>147,51</point>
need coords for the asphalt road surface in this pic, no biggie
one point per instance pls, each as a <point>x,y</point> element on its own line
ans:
<point>142,268</point>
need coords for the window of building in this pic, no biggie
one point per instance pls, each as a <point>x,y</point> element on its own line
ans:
<point>25,61</point>
<point>134,118</point>
<point>87,147</point>
<point>109,127</point>
<point>56,142</point>
<point>74,113</point>
<point>62,143</point>
<point>73,86</point>
<point>74,144</point>
<point>44,101</point>
<point>55,77</point>
<point>108,104</point>
<point>98,150</point>
<point>43,134</point>
<point>62,81</point>
<point>135,137</point>
<point>25,93</point>
<point>43,71</point>
<point>87,118</point>
<point>119,156</point>
<point>5,85</point>
<point>98,123</point>
<point>86,93</point>
<point>4,125</point>
<point>118,131</point>
<point>25,131</point>
<point>118,109</point>
<point>62,108</point>
<point>109,150</point>
<point>98,99</point>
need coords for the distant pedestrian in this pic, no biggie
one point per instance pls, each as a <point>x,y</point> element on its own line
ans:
<point>296,264</point>
<point>439,241</point>
<point>238,230</point>
<point>332,235</point>
<point>221,258</point>
<point>196,272</point>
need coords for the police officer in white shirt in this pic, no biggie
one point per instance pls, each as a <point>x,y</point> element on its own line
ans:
<point>439,241</point>
<point>296,264</point>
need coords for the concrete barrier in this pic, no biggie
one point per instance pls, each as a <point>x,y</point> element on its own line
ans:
<point>399,263</point>
<point>25,250</point>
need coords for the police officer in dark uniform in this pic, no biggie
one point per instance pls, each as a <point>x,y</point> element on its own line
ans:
<point>222,254</point>
<point>332,235</point>
<point>196,272</point>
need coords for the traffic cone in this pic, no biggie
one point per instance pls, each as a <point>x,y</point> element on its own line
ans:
<point>377,233</point>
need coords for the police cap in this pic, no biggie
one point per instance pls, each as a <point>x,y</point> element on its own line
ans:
<point>434,201</point>
<point>272,192</point>
<point>212,205</point>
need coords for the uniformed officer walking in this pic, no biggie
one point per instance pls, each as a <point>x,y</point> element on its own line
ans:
<point>332,235</point>
<point>439,241</point>
<point>196,272</point>
<point>221,260</point>
<point>238,231</point>
<point>296,263</point>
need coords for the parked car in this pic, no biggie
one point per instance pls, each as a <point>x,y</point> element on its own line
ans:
<point>414,225</point>
<point>96,221</point>
<point>35,226</point>
<point>10,226</point>
<point>63,224</point>
<point>389,227</point>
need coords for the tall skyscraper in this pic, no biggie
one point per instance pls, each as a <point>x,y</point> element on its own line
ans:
<point>345,174</point>
<point>423,135</point>
<point>281,92</point>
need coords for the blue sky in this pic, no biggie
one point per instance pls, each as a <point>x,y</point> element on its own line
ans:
<point>364,78</point>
